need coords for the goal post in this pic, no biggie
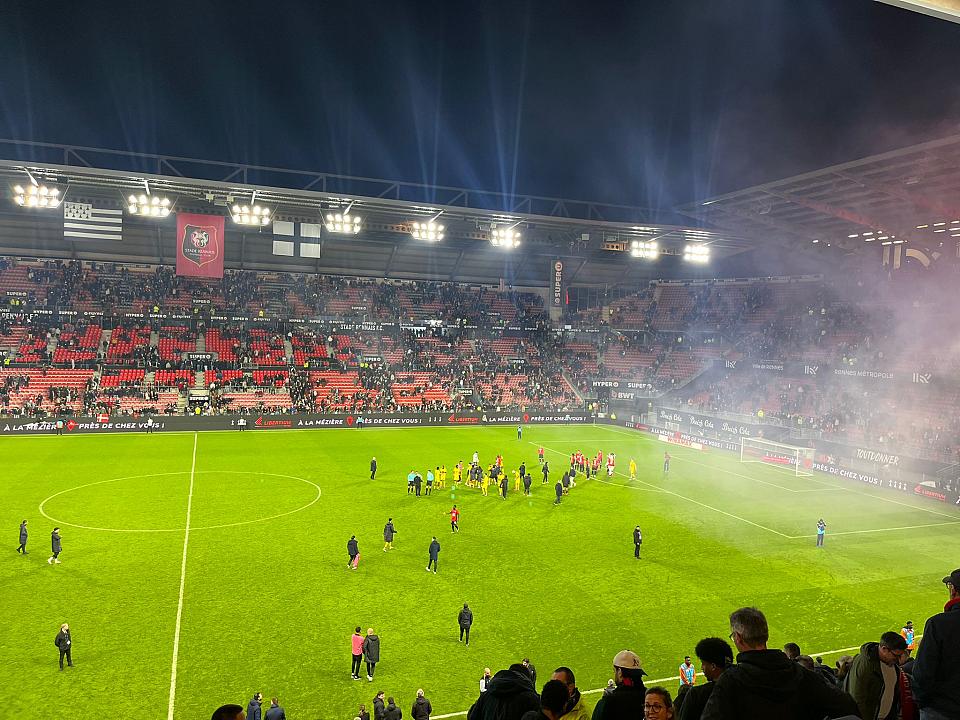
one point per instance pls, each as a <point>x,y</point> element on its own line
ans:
<point>796,459</point>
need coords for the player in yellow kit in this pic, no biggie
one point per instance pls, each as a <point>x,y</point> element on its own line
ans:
<point>516,480</point>
<point>442,476</point>
<point>633,469</point>
<point>485,483</point>
<point>457,469</point>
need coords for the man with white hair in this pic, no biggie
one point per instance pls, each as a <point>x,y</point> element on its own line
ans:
<point>421,707</point>
<point>64,644</point>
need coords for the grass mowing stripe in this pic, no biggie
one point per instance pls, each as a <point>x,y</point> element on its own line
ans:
<point>183,577</point>
<point>688,499</point>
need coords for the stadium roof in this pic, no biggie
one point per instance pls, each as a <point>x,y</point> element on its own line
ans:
<point>911,195</point>
<point>594,236</point>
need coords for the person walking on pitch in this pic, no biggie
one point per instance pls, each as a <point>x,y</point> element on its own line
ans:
<point>373,468</point>
<point>558,488</point>
<point>371,652</point>
<point>637,541</point>
<point>353,550</point>
<point>633,469</point>
<point>23,538</point>
<point>55,547</point>
<point>465,620</point>
<point>666,463</point>
<point>455,519</point>
<point>388,532</point>
<point>546,472</point>
<point>434,552</point>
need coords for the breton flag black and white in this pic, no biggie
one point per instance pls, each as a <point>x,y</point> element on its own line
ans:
<point>306,239</point>
<point>83,221</point>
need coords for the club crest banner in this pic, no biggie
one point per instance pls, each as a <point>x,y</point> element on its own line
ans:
<point>200,245</point>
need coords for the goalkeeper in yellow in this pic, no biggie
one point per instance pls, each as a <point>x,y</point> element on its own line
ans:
<point>633,469</point>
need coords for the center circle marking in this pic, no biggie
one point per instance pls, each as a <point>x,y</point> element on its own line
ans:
<point>181,529</point>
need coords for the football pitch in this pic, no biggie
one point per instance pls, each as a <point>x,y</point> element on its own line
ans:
<point>220,559</point>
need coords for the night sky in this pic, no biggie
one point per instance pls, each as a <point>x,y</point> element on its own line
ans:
<point>646,102</point>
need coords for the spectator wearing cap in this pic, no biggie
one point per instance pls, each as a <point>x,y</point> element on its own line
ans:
<point>936,672</point>
<point>508,697</point>
<point>715,656</point>
<point>873,677</point>
<point>627,698</point>
<point>575,708</point>
<point>765,684</point>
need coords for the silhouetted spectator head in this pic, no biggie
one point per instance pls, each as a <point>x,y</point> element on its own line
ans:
<point>228,712</point>
<point>553,699</point>
<point>792,650</point>
<point>715,656</point>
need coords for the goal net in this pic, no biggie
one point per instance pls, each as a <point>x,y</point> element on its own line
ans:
<point>796,459</point>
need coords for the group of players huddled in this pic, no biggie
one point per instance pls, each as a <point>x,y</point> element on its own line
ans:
<point>476,476</point>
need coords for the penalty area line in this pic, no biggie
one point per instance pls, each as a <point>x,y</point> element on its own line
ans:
<point>183,577</point>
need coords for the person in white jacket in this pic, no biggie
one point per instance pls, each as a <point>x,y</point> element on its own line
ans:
<point>485,680</point>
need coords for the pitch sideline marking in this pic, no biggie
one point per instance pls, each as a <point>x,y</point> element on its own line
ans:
<point>695,502</point>
<point>183,578</point>
<point>658,681</point>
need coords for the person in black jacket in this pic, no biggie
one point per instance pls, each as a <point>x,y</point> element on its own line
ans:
<point>373,468</point>
<point>378,706</point>
<point>55,547</point>
<point>546,472</point>
<point>715,656</point>
<point>558,489</point>
<point>371,652</point>
<point>254,711</point>
<point>421,707</point>
<point>766,684</point>
<point>531,668</point>
<point>637,541</point>
<point>23,538</point>
<point>275,712</point>
<point>936,671</point>
<point>465,620</point>
<point>392,712</point>
<point>388,532</point>
<point>509,695</point>
<point>64,644</point>
<point>626,700</point>
<point>352,551</point>
<point>434,552</point>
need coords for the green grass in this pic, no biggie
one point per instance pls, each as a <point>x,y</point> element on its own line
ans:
<point>270,606</point>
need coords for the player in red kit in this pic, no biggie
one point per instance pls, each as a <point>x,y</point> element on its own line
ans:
<point>540,455</point>
<point>454,519</point>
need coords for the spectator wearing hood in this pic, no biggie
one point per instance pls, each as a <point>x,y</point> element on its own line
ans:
<point>509,695</point>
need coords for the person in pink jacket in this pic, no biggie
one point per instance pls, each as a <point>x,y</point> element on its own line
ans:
<point>356,646</point>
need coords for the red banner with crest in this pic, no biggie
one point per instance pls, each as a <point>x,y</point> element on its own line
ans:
<point>200,245</point>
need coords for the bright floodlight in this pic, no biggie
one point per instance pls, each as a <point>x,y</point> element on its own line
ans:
<point>696,253</point>
<point>345,223</point>
<point>148,205</point>
<point>504,237</point>
<point>644,249</point>
<point>428,231</point>
<point>246,215</point>
<point>36,196</point>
